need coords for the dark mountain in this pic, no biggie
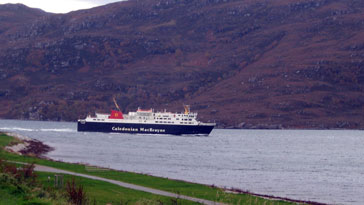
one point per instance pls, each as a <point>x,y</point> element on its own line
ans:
<point>14,15</point>
<point>241,63</point>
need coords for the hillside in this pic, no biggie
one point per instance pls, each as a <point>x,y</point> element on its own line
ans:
<point>241,63</point>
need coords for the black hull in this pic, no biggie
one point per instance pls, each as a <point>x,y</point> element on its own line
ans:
<point>144,128</point>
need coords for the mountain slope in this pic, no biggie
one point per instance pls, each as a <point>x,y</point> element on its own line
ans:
<point>311,78</point>
<point>11,15</point>
<point>287,63</point>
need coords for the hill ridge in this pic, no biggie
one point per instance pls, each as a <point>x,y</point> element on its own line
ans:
<point>241,63</point>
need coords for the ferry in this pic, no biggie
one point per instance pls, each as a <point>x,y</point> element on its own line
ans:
<point>146,122</point>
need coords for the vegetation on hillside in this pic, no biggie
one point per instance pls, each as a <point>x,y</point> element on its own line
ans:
<point>243,64</point>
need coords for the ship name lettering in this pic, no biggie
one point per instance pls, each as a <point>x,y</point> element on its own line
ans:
<point>126,129</point>
<point>142,129</point>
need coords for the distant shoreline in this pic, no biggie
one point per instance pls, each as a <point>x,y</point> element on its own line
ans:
<point>236,127</point>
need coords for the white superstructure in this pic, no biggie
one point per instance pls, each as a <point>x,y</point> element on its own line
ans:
<point>149,117</point>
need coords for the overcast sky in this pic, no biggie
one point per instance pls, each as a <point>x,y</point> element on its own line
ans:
<point>60,6</point>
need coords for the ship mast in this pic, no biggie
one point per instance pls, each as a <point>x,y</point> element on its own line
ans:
<point>116,104</point>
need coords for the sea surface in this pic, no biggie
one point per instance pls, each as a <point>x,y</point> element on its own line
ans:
<point>318,165</point>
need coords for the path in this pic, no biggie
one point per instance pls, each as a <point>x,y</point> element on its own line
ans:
<point>42,168</point>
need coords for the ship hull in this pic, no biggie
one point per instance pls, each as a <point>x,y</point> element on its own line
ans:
<point>84,126</point>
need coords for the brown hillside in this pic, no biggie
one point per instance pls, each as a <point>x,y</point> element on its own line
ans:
<point>11,15</point>
<point>252,64</point>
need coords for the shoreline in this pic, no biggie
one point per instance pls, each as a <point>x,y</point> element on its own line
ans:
<point>241,126</point>
<point>31,147</point>
<point>28,146</point>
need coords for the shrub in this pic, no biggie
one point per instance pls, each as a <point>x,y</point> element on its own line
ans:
<point>76,194</point>
<point>27,173</point>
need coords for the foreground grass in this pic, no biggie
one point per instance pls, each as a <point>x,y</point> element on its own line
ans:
<point>175,186</point>
<point>14,190</point>
<point>19,186</point>
<point>100,192</point>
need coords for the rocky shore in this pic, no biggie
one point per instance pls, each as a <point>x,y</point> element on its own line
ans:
<point>26,146</point>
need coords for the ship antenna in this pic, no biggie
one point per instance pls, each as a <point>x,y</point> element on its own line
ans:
<point>187,109</point>
<point>116,104</point>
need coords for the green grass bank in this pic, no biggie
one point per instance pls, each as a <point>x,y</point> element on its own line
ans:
<point>105,193</point>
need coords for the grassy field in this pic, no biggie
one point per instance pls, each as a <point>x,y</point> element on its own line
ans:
<point>106,193</point>
<point>114,194</point>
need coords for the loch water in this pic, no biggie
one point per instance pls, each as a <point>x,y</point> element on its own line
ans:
<point>318,165</point>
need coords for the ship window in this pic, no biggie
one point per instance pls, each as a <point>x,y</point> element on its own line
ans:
<point>177,118</point>
<point>190,119</point>
<point>169,118</point>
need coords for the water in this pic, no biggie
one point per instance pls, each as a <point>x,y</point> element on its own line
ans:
<point>323,166</point>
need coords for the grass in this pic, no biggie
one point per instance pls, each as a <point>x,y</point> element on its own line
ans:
<point>15,191</point>
<point>175,186</point>
<point>18,188</point>
<point>106,193</point>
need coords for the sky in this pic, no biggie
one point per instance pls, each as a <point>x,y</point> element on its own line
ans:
<point>60,6</point>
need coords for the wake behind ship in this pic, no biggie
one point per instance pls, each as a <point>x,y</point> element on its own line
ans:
<point>146,122</point>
